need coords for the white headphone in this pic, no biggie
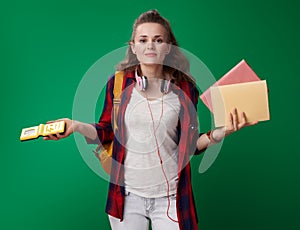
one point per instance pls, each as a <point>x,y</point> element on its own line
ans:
<point>142,83</point>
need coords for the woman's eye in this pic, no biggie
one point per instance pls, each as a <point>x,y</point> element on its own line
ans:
<point>159,41</point>
<point>142,40</point>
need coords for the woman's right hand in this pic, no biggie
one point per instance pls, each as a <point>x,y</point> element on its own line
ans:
<point>69,129</point>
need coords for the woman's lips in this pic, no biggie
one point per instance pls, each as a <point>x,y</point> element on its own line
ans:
<point>150,54</point>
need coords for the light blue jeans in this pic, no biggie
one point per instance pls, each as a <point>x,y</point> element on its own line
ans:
<point>138,211</point>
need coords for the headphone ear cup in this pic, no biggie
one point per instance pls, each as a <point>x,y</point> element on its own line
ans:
<point>165,85</point>
<point>144,83</point>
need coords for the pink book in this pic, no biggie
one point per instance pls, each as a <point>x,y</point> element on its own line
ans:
<point>240,73</point>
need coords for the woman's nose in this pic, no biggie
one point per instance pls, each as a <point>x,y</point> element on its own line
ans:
<point>150,45</point>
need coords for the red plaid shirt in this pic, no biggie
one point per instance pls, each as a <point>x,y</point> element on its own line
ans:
<point>188,135</point>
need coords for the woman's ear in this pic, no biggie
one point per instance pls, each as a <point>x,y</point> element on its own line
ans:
<point>132,47</point>
<point>168,48</point>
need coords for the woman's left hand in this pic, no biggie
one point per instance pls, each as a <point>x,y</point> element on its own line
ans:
<point>234,125</point>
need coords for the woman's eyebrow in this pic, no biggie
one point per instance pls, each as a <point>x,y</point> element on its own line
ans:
<point>155,36</point>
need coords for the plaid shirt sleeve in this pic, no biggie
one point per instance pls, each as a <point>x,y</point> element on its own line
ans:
<point>186,210</point>
<point>104,126</point>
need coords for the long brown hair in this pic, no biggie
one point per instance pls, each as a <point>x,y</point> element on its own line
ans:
<point>175,58</point>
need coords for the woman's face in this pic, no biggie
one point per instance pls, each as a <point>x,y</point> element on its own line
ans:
<point>150,43</point>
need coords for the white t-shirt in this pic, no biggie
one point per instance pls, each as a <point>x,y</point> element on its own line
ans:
<point>143,171</point>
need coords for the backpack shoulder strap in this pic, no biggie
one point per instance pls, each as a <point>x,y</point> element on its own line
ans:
<point>119,76</point>
<point>118,84</point>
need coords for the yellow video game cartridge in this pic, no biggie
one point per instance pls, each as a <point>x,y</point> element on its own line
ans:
<point>42,130</point>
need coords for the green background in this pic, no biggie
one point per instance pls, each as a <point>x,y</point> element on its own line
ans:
<point>46,48</point>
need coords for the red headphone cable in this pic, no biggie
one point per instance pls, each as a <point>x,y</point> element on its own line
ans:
<point>158,152</point>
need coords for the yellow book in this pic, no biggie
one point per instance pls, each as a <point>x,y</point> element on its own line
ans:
<point>42,130</point>
<point>249,97</point>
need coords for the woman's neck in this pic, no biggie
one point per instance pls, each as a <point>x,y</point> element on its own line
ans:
<point>152,71</point>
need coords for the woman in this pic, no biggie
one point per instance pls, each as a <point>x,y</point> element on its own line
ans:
<point>157,132</point>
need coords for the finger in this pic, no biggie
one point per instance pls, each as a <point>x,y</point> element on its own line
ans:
<point>52,121</point>
<point>235,119</point>
<point>230,127</point>
<point>52,137</point>
<point>244,120</point>
<point>251,123</point>
<point>58,136</point>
